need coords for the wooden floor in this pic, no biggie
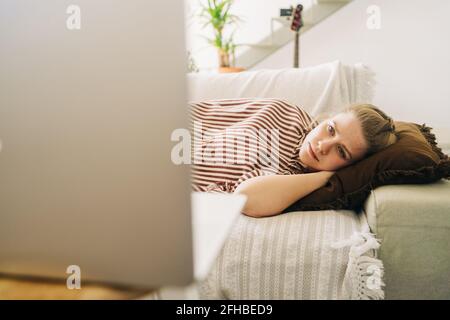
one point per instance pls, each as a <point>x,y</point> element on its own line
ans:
<point>27,289</point>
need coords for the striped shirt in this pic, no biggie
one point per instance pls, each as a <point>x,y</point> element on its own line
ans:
<point>238,139</point>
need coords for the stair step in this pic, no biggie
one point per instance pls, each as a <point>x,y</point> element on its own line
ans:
<point>333,1</point>
<point>256,52</point>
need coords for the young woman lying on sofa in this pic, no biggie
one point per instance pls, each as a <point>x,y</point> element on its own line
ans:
<point>306,152</point>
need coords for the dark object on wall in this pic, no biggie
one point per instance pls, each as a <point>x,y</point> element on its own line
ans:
<point>286,12</point>
<point>297,23</point>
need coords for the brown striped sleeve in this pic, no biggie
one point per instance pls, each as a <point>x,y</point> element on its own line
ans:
<point>238,139</point>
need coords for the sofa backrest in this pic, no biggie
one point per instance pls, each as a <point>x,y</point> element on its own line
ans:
<point>324,88</point>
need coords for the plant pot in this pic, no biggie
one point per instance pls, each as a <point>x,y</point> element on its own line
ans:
<point>230,69</point>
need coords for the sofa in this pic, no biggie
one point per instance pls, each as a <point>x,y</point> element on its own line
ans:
<point>413,222</point>
<point>262,258</point>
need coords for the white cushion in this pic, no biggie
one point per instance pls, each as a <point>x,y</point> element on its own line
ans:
<point>323,88</point>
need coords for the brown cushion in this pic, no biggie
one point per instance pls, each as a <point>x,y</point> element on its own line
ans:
<point>414,158</point>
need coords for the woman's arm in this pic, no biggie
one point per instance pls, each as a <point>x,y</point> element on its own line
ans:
<point>270,195</point>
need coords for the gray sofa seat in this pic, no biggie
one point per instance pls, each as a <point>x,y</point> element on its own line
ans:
<point>413,223</point>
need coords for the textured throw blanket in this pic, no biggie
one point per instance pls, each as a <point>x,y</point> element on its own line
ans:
<point>318,89</point>
<point>306,255</point>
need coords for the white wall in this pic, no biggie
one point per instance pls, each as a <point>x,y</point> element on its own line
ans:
<point>256,14</point>
<point>410,54</point>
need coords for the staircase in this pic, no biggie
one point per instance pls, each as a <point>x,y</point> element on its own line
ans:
<point>253,53</point>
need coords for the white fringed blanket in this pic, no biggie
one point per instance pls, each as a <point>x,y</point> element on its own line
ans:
<point>301,255</point>
<point>319,89</point>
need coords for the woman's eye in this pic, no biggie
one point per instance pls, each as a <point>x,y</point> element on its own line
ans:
<point>331,130</point>
<point>341,152</point>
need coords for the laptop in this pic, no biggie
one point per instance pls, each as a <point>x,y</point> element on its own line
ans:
<point>90,93</point>
<point>213,217</point>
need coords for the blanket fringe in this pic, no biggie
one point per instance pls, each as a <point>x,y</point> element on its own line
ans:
<point>364,273</point>
<point>367,283</point>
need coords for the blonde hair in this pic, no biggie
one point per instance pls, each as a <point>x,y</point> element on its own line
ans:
<point>378,128</point>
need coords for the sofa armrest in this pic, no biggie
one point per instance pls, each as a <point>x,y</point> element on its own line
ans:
<point>413,223</point>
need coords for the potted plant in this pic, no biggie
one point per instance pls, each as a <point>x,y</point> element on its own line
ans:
<point>216,14</point>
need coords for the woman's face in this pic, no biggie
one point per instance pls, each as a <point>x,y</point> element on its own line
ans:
<point>333,144</point>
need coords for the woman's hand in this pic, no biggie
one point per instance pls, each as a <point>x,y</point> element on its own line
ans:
<point>326,175</point>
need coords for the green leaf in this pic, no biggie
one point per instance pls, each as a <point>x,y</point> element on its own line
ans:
<point>216,13</point>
